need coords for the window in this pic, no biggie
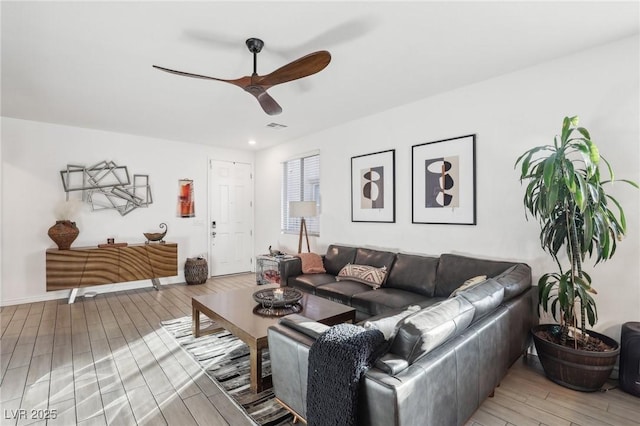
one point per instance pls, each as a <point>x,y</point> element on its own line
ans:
<point>300,182</point>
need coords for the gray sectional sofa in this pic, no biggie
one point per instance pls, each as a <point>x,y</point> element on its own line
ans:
<point>442,360</point>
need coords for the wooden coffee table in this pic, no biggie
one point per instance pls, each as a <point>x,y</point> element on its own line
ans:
<point>233,311</point>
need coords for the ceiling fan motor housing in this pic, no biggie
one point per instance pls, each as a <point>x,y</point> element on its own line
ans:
<point>255,45</point>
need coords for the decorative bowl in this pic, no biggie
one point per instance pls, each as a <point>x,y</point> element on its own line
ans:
<point>156,236</point>
<point>269,299</point>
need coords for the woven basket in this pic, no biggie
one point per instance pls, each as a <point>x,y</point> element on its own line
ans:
<point>196,270</point>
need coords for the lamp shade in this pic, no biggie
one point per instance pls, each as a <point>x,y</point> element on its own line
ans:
<point>302,209</point>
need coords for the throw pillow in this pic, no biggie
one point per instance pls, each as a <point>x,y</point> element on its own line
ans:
<point>365,274</point>
<point>471,282</point>
<point>388,325</point>
<point>311,263</point>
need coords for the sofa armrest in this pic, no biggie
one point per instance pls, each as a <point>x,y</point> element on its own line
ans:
<point>304,325</point>
<point>289,344</point>
<point>291,267</point>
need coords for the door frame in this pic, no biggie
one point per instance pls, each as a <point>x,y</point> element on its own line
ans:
<point>252,220</point>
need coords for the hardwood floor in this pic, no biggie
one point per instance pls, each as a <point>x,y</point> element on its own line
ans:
<point>104,360</point>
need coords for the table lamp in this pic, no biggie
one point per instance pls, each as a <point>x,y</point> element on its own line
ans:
<point>302,209</point>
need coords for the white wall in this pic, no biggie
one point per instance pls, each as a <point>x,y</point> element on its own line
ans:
<point>509,115</point>
<point>33,154</point>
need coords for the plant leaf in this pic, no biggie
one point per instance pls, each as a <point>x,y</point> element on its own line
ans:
<point>592,312</point>
<point>594,154</point>
<point>584,132</point>
<point>574,120</point>
<point>566,125</point>
<point>549,169</point>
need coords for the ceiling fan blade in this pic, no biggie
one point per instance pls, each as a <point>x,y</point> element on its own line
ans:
<point>240,82</point>
<point>268,104</point>
<point>303,67</point>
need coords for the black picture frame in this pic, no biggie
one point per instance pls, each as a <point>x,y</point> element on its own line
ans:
<point>443,184</point>
<point>373,187</point>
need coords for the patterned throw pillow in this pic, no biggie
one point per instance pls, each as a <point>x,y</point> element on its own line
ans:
<point>311,263</point>
<point>369,275</point>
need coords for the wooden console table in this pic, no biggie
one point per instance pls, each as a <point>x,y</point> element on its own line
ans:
<point>89,266</point>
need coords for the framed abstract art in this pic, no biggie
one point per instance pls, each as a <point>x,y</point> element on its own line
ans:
<point>444,181</point>
<point>373,191</point>
<point>186,202</point>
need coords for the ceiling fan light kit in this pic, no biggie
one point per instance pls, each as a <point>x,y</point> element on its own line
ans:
<point>257,85</point>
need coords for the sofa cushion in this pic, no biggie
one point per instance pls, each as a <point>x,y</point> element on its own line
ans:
<point>420,333</point>
<point>377,258</point>
<point>309,282</point>
<point>385,299</point>
<point>413,273</point>
<point>338,256</point>
<point>387,325</point>
<point>515,280</point>
<point>311,263</point>
<point>365,274</point>
<point>453,270</point>
<point>342,291</point>
<point>485,297</point>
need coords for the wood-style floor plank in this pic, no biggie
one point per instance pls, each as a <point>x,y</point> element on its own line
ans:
<point>117,409</point>
<point>106,361</point>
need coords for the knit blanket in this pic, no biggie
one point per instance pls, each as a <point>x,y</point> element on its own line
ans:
<point>337,361</point>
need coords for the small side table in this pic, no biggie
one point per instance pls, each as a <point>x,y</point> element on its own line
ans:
<point>269,268</point>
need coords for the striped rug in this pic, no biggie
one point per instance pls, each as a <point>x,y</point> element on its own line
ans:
<point>225,358</point>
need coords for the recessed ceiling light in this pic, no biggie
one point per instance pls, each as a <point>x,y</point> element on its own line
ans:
<point>252,142</point>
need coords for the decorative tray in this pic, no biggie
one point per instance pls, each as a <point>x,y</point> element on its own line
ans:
<point>267,311</point>
<point>277,297</point>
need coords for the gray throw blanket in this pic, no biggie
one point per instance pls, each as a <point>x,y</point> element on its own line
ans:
<point>337,361</point>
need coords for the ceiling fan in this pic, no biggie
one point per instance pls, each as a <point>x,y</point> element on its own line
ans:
<point>257,85</point>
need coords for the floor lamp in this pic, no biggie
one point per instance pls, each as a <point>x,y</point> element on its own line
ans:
<point>302,209</point>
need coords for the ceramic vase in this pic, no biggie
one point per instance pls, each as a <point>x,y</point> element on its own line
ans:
<point>63,233</point>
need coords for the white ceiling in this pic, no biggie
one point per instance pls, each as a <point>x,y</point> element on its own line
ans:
<point>88,64</point>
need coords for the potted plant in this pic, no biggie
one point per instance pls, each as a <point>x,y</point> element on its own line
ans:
<point>566,193</point>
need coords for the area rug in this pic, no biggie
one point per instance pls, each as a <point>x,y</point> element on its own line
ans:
<point>225,359</point>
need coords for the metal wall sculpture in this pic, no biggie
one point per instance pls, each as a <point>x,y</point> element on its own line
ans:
<point>105,185</point>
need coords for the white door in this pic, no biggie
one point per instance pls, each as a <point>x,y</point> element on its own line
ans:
<point>231,213</point>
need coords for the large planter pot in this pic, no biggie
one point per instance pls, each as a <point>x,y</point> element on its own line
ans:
<point>575,369</point>
<point>63,233</point>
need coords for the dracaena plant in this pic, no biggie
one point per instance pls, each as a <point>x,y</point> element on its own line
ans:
<point>566,193</point>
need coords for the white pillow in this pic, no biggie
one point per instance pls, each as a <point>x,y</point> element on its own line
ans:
<point>387,325</point>
<point>471,282</point>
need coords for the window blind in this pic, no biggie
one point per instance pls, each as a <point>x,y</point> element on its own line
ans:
<point>300,182</point>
